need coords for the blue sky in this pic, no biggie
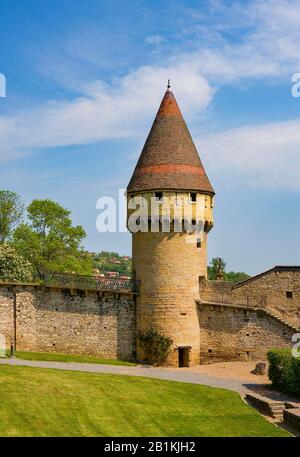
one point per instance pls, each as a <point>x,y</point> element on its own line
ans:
<point>84,80</point>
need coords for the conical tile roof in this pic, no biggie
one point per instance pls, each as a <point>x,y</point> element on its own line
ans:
<point>169,159</point>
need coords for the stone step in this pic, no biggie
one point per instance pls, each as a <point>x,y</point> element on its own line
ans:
<point>266,406</point>
<point>276,405</point>
<point>277,409</point>
<point>277,413</point>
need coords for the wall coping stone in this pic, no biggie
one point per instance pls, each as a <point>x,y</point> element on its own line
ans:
<point>61,287</point>
<point>278,268</point>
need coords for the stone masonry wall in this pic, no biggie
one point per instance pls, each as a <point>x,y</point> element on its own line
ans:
<point>228,323</point>
<point>168,268</point>
<point>230,333</point>
<point>7,315</point>
<point>267,291</point>
<point>67,321</point>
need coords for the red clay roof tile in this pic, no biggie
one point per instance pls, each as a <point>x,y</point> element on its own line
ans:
<point>169,159</point>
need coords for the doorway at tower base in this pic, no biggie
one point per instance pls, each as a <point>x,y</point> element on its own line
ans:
<point>183,356</point>
<point>179,357</point>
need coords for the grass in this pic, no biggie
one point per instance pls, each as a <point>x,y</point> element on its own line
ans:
<point>54,357</point>
<point>49,402</point>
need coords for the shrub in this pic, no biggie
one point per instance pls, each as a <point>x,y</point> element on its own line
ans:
<point>284,371</point>
<point>156,347</point>
<point>13,267</point>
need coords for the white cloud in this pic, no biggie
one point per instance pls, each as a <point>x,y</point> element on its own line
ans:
<point>102,112</point>
<point>266,34</point>
<point>154,39</point>
<point>256,39</point>
<point>266,156</point>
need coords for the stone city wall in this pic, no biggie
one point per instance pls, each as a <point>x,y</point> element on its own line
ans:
<point>232,333</point>
<point>37,318</point>
<point>277,291</point>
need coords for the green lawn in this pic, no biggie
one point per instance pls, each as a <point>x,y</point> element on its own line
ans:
<point>53,357</point>
<point>48,402</point>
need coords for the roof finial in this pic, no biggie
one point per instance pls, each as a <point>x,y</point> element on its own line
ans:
<point>169,85</point>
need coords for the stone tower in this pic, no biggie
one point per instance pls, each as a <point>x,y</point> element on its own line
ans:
<point>167,262</point>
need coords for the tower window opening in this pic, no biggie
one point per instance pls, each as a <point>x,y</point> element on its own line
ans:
<point>198,243</point>
<point>158,196</point>
<point>289,294</point>
<point>193,197</point>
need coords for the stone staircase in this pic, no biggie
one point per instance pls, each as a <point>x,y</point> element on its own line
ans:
<point>252,308</point>
<point>281,411</point>
<point>279,319</point>
<point>267,406</point>
<point>276,409</point>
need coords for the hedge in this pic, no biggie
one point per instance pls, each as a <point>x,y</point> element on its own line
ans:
<point>284,371</point>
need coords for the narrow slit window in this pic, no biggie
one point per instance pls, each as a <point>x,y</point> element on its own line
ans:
<point>198,243</point>
<point>193,197</point>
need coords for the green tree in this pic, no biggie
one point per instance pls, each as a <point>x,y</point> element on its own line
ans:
<point>217,268</point>
<point>236,277</point>
<point>50,242</point>
<point>13,267</point>
<point>11,212</point>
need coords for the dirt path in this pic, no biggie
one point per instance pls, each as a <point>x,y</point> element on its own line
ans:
<point>232,376</point>
<point>233,370</point>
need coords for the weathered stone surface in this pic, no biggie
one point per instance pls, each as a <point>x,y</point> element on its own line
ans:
<point>68,321</point>
<point>260,369</point>
<point>104,323</point>
<point>231,333</point>
<point>268,290</point>
<point>169,267</point>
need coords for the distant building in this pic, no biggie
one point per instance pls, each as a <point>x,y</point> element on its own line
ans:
<point>115,261</point>
<point>112,274</point>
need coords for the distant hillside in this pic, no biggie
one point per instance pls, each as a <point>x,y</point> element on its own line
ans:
<point>105,261</point>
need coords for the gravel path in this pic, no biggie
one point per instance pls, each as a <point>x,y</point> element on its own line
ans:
<point>183,375</point>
